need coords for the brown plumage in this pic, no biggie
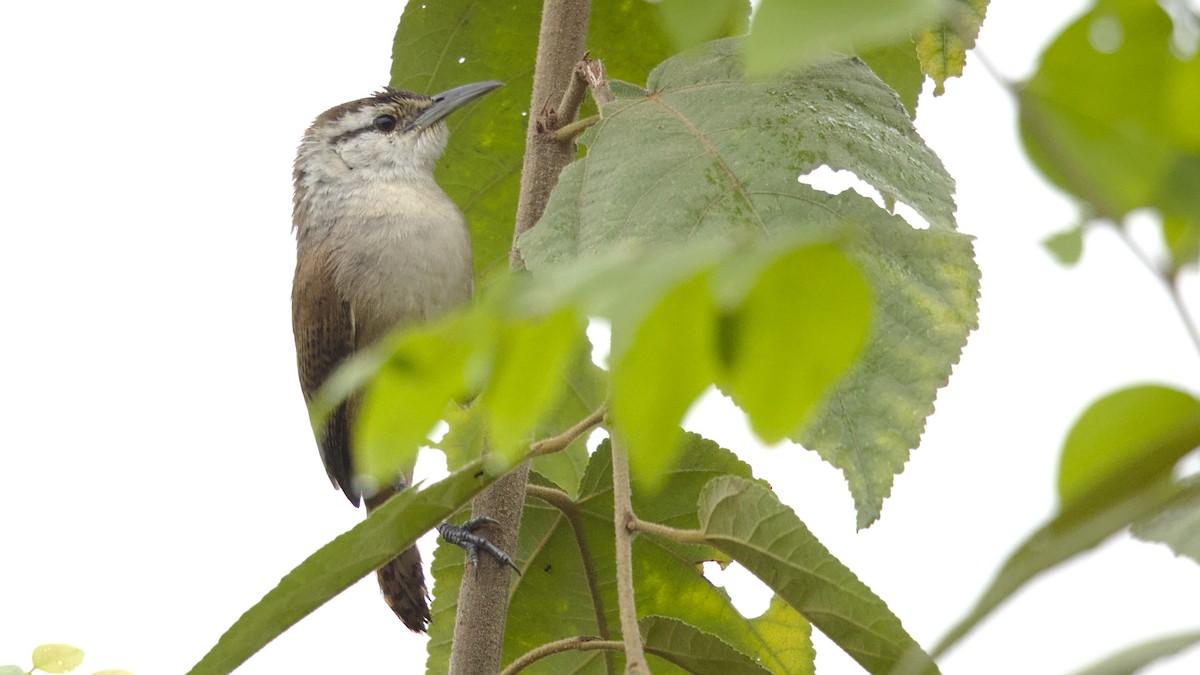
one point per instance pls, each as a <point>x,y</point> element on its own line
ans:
<point>378,246</point>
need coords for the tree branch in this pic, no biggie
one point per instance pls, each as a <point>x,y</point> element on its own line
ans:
<point>635,659</point>
<point>483,596</point>
<point>561,44</point>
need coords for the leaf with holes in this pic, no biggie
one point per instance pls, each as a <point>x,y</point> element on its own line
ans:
<point>703,154</point>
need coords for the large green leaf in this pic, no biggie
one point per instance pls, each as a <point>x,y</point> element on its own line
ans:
<point>334,567</point>
<point>1110,113</point>
<point>704,154</point>
<point>557,597</point>
<point>1115,471</point>
<point>446,43</point>
<point>748,522</point>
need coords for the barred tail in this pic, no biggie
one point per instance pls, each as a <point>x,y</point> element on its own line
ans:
<point>403,586</point>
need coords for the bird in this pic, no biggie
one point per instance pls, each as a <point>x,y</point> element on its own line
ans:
<point>379,245</point>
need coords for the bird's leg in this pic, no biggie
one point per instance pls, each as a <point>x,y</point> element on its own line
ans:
<point>464,536</point>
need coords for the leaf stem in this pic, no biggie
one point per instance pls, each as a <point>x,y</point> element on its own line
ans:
<point>635,659</point>
<point>578,643</point>
<point>568,132</point>
<point>668,532</point>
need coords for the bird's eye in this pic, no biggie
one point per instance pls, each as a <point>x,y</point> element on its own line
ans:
<point>385,123</point>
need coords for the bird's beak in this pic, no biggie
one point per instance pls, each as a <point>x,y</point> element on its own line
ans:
<point>450,100</point>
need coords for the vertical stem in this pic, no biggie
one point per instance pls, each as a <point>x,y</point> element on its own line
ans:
<point>483,598</point>
<point>561,44</point>
<point>635,659</point>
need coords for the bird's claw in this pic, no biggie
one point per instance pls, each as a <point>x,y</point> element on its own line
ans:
<point>465,537</point>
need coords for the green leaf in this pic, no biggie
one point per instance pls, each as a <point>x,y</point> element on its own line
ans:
<point>1088,135</point>
<point>444,44</point>
<point>1066,246</point>
<point>942,48</point>
<point>388,530</point>
<point>586,389</point>
<point>717,157</point>
<point>691,22</point>
<point>692,650</point>
<point>748,522</point>
<point>567,559</point>
<point>57,658</point>
<point>409,394</point>
<point>790,32</point>
<point>531,356</point>
<point>667,365</point>
<point>13,670</point>
<point>813,301</point>
<point>1115,470</point>
<point>1131,660</point>
<point>788,635</point>
<point>1130,436</point>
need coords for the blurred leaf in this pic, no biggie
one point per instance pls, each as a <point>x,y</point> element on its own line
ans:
<point>1066,246</point>
<point>388,530</point>
<point>13,670</point>
<point>1090,136</point>
<point>1135,434</point>
<point>719,157</point>
<point>814,303</point>
<point>897,65</point>
<point>748,522</point>
<point>788,33</point>
<point>1116,470</point>
<point>444,44</point>
<point>1182,238</point>
<point>409,394</point>
<point>1133,659</point>
<point>692,650</point>
<point>667,365</point>
<point>691,22</point>
<point>57,658</point>
<point>531,356</point>
<point>942,48</point>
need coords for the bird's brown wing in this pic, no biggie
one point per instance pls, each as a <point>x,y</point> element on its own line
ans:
<point>324,329</point>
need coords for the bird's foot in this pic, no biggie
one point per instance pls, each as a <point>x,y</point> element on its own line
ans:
<point>464,536</point>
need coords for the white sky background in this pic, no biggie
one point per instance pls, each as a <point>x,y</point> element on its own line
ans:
<point>158,471</point>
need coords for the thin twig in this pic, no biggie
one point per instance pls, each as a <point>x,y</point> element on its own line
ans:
<point>580,643</point>
<point>557,443</point>
<point>635,659</point>
<point>1169,280</point>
